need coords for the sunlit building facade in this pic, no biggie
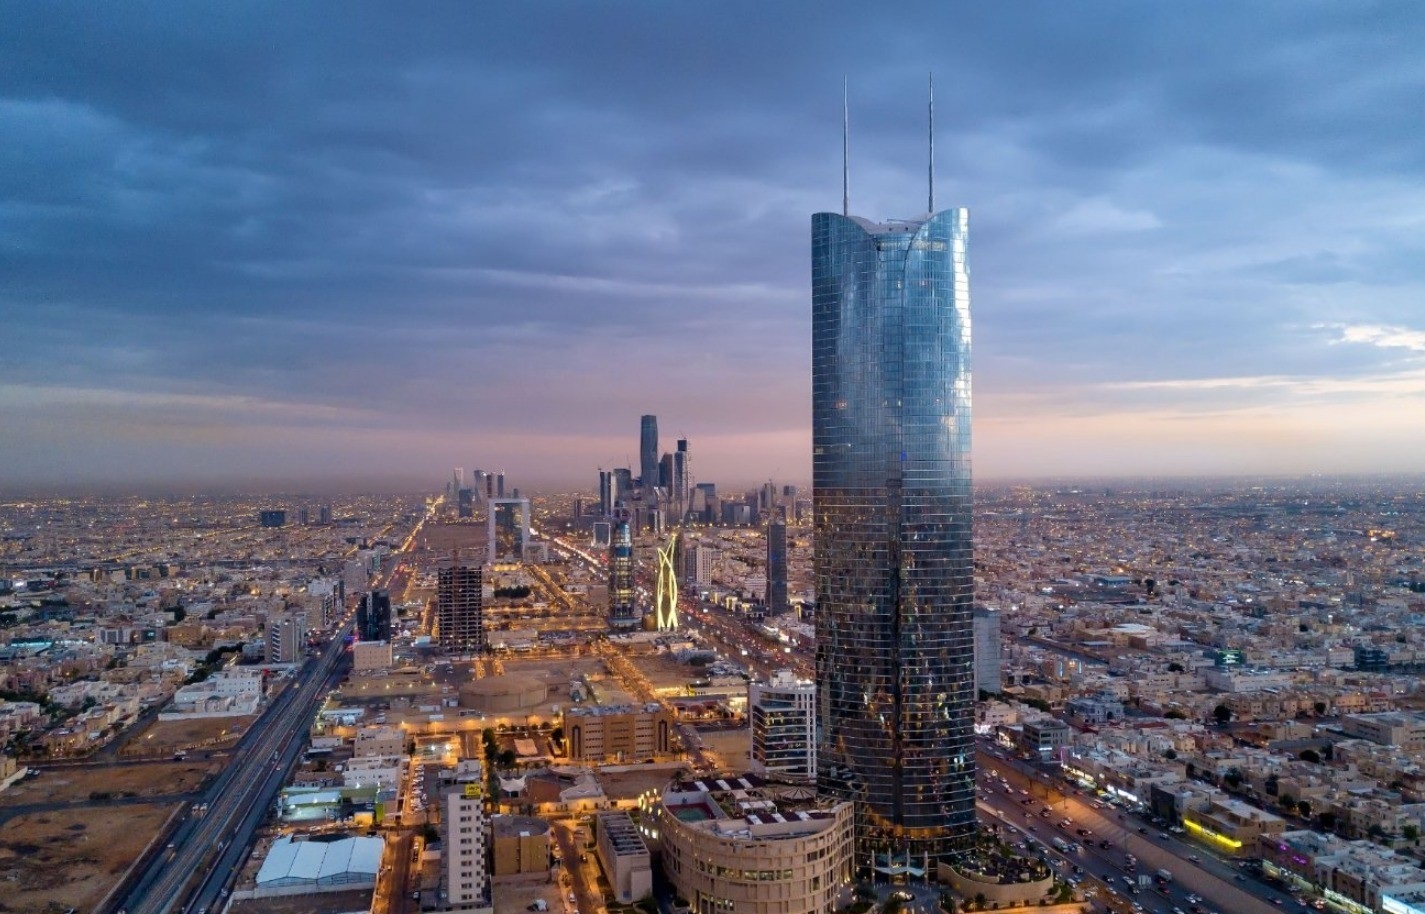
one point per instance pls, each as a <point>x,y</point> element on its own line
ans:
<point>893,563</point>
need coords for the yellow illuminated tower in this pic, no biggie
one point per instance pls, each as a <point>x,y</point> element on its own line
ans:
<point>666,595</point>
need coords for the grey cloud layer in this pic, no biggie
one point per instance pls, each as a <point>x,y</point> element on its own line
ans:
<point>545,219</point>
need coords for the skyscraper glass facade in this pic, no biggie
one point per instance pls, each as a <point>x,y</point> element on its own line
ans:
<point>622,612</point>
<point>648,451</point>
<point>894,563</point>
<point>776,568</point>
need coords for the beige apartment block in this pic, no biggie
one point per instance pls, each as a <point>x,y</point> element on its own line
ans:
<point>1230,826</point>
<point>521,849</point>
<point>379,741</point>
<point>1398,729</point>
<point>627,864</point>
<point>370,655</point>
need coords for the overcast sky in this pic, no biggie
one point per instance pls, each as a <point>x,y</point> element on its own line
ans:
<point>294,241</point>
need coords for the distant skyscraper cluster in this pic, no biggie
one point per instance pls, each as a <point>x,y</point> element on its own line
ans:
<point>483,486</point>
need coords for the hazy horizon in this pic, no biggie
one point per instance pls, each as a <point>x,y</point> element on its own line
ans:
<point>298,489</point>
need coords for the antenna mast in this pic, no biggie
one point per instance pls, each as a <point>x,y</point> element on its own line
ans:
<point>932,144</point>
<point>846,146</point>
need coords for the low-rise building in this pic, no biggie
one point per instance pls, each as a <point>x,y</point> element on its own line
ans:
<point>1045,738</point>
<point>379,741</point>
<point>521,849</point>
<point>620,733</point>
<point>367,656</point>
<point>749,844</point>
<point>624,855</point>
<point>1229,825</point>
<point>1398,729</point>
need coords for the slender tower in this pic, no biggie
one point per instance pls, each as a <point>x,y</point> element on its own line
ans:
<point>648,452</point>
<point>893,561</point>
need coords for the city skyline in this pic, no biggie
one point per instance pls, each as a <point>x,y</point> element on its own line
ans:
<point>354,249</point>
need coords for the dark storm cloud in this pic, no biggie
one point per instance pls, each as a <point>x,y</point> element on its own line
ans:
<point>477,223</point>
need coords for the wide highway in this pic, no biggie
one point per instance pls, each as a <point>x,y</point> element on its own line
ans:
<point>1016,795</point>
<point>209,845</point>
<point>200,863</point>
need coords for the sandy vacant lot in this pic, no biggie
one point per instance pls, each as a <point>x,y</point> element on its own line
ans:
<point>61,785</point>
<point>166,736</point>
<point>73,857</point>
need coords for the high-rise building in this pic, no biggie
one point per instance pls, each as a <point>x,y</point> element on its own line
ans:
<point>648,451</point>
<point>272,517</point>
<point>987,650</point>
<point>464,503</point>
<point>782,717</point>
<point>465,875</point>
<point>373,616</point>
<point>682,482</point>
<point>500,485</point>
<point>508,530</point>
<point>459,609</point>
<point>894,564</point>
<point>665,473</point>
<point>697,562</point>
<point>622,611</point>
<point>285,635</point>
<point>776,568</point>
<point>606,493</point>
<point>623,485</point>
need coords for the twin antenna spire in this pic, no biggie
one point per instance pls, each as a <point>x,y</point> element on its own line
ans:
<point>846,146</point>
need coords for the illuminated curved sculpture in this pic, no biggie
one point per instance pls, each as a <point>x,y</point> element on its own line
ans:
<point>665,600</point>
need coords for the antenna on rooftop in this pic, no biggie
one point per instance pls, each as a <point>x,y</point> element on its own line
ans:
<point>845,146</point>
<point>932,143</point>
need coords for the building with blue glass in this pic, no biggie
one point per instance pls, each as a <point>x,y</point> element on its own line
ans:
<point>893,562</point>
<point>623,612</point>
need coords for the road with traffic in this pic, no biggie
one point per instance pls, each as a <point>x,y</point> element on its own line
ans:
<point>211,840</point>
<point>1018,795</point>
<point>205,850</point>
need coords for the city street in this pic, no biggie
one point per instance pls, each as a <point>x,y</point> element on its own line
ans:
<point>1030,792</point>
<point>575,875</point>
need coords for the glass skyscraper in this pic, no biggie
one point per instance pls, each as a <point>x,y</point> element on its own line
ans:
<point>622,611</point>
<point>894,563</point>
<point>648,451</point>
